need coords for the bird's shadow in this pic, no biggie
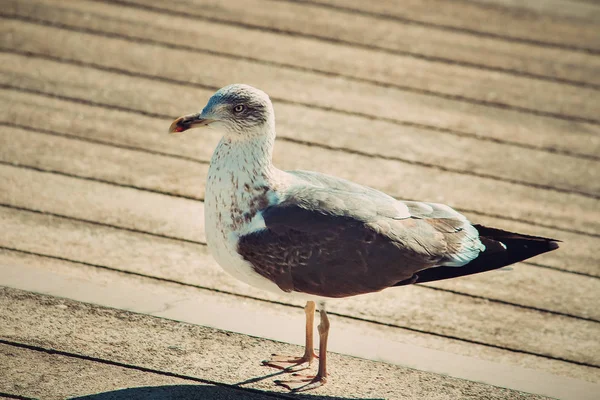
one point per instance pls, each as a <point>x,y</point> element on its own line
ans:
<point>197,392</point>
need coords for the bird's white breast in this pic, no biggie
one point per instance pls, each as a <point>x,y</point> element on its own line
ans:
<point>236,191</point>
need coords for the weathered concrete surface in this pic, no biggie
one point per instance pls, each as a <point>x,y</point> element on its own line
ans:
<point>458,81</point>
<point>143,168</point>
<point>492,195</point>
<point>548,21</point>
<point>206,353</point>
<point>207,71</point>
<point>340,133</point>
<point>489,106</point>
<point>181,219</point>
<point>43,375</point>
<point>389,35</point>
<point>248,313</point>
<point>445,313</point>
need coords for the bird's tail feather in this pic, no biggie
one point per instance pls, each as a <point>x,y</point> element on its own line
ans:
<point>502,248</point>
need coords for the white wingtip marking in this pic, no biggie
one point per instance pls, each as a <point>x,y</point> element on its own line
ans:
<point>402,209</point>
<point>470,248</point>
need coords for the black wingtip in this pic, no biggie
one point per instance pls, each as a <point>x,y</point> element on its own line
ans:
<point>502,248</point>
<point>553,245</point>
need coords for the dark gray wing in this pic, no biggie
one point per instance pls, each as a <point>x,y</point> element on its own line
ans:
<point>334,238</point>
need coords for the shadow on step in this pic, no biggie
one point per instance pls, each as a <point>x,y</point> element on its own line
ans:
<point>198,392</point>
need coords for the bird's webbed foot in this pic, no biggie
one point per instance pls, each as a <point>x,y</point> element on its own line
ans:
<point>290,364</point>
<point>301,383</point>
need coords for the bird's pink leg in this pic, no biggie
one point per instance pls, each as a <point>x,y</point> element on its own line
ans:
<point>298,363</point>
<point>301,383</point>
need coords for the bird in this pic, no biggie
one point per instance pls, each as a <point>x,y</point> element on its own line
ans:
<point>314,236</point>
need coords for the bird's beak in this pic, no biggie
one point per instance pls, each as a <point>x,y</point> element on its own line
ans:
<point>186,122</point>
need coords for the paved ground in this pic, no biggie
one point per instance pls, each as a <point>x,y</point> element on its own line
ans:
<point>491,106</point>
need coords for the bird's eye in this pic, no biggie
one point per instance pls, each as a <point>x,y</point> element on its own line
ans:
<point>239,108</point>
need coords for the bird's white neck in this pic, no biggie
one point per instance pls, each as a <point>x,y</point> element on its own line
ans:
<point>240,179</point>
<point>243,159</point>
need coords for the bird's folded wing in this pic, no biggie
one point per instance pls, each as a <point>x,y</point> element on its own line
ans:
<point>334,238</point>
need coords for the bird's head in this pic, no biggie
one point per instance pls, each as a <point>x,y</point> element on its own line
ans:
<point>238,110</point>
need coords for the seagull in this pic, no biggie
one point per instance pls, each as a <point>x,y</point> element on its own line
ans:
<point>316,236</point>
